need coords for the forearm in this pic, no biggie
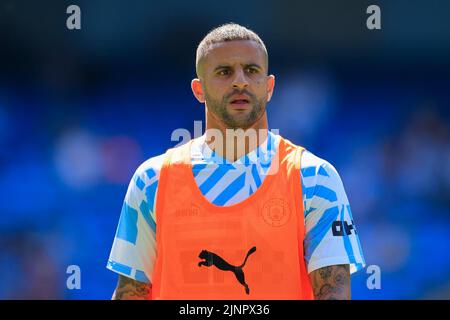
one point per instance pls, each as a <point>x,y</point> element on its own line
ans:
<point>129,289</point>
<point>331,283</point>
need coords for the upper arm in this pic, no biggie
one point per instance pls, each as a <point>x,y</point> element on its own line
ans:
<point>331,283</point>
<point>133,252</point>
<point>330,233</point>
<point>129,289</point>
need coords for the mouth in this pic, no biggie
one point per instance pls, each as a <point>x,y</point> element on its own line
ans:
<point>240,103</point>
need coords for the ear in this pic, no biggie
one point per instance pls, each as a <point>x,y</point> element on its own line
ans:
<point>197,89</point>
<point>270,86</point>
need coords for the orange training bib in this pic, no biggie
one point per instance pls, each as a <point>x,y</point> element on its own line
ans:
<point>250,250</point>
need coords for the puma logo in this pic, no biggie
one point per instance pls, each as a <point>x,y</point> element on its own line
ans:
<point>210,258</point>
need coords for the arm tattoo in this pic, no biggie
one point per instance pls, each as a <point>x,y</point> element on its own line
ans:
<point>331,283</point>
<point>129,289</point>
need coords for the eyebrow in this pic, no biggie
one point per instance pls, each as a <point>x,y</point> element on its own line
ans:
<point>224,66</point>
<point>254,65</point>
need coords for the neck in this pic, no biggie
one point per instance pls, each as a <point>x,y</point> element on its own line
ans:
<point>232,144</point>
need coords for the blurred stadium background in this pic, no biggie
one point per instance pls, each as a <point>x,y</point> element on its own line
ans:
<point>80,110</point>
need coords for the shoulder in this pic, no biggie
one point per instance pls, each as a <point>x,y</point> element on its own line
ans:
<point>148,172</point>
<point>151,166</point>
<point>313,165</point>
<point>320,178</point>
<point>144,183</point>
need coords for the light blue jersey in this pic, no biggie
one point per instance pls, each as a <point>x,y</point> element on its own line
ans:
<point>331,237</point>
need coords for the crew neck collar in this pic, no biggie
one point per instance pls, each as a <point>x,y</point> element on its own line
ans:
<point>201,152</point>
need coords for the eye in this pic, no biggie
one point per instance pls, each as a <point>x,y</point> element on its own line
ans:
<point>223,72</point>
<point>251,70</point>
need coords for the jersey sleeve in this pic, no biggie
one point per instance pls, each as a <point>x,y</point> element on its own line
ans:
<point>331,237</point>
<point>133,251</point>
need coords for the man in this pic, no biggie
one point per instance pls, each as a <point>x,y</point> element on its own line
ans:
<point>235,217</point>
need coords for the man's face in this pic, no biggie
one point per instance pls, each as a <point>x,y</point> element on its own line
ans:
<point>235,84</point>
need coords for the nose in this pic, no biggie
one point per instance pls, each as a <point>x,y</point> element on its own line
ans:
<point>240,80</point>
